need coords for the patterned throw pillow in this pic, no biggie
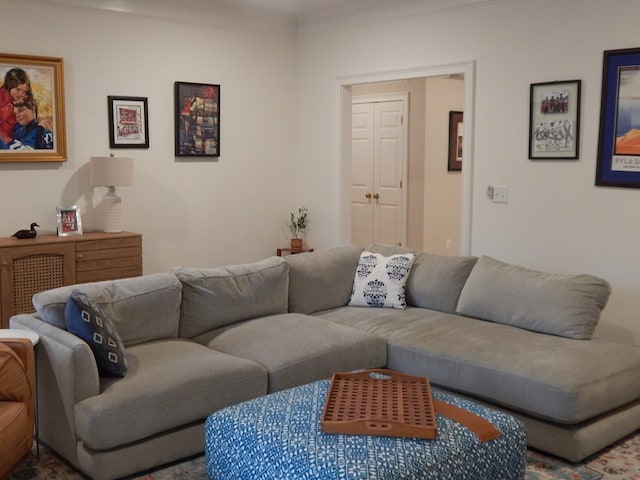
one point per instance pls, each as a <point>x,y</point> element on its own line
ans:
<point>88,320</point>
<point>380,281</point>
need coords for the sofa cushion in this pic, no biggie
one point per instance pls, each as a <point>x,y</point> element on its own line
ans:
<point>143,308</point>
<point>388,249</point>
<point>215,297</point>
<point>545,376</point>
<point>380,281</point>
<point>565,305</point>
<point>322,280</point>
<point>297,349</point>
<point>435,281</point>
<point>170,383</point>
<point>85,319</point>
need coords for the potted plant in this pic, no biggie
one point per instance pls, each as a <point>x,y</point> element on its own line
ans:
<point>298,226</point>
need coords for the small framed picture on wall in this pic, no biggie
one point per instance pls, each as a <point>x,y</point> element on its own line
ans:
<point>128,122</point>
<point>554,120</point>
<point>456,136</point>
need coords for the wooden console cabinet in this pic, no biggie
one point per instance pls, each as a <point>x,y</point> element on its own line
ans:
<point>48,261</point>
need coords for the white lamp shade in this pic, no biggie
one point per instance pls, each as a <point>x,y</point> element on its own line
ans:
<point>111,171</point>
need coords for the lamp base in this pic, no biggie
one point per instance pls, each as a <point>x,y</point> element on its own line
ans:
<point>113,212</point>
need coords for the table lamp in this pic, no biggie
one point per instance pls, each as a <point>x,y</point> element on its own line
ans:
<point>111,172</point>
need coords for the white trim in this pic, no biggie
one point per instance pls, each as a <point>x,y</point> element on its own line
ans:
<point>344,98</point>
<point>220,14</point>
<point>383,97</point>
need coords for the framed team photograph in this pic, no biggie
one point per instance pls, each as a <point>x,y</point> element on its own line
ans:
<point>197,120</point>
<point>554,120</point>
<point>618,163</point>
<point>32,121</point>
<point>69,221</point>
<point>128,122</point>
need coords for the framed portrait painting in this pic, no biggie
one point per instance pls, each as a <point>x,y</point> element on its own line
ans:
<point>128,122</point>
<point>554,120</point>
<point>32,121</point>
<point>618,163</point>
<point>456,136</point>
<point>69,221</point>
<point>197,120</point>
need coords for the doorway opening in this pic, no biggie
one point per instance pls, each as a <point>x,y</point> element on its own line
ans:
<point>379,152</point>
<point>352,85</point>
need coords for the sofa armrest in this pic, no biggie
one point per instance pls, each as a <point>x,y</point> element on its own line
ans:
<point>67,355</point>
<point>66,374</point>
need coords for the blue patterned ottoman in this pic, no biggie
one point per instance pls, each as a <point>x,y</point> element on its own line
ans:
<point>278,436</point>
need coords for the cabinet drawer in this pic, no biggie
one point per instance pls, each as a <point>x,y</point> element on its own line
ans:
<point>107,244</point>
<point>99,263</point>
<point>91,255</point>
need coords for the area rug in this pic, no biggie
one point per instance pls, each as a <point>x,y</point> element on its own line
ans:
<point>621,461</point>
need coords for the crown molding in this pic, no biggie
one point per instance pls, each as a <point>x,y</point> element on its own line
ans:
<point>288,17</point>
<point>222,14</point>
<point>377,11</point>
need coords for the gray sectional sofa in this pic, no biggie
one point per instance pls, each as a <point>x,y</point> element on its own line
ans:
<point>200,339</point>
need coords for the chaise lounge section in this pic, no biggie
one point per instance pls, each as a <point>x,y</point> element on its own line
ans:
<point>200,339</point>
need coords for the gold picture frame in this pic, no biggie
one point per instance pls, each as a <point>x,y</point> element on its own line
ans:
<point>34,131</point>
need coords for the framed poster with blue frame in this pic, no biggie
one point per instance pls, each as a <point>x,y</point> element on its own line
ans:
<point>619,140</point>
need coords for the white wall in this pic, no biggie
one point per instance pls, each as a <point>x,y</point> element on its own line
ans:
<point>207,212</point>
<point>556,219</point>
<point>443,194</point>
<point>279,151</point>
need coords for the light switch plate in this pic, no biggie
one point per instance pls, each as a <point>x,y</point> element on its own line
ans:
<point>500,194</point>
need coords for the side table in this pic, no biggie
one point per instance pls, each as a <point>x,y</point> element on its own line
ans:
<point>292,251</point>
<point>35,340</point>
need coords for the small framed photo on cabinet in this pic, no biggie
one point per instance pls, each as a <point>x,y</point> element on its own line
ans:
<point>69,221</point>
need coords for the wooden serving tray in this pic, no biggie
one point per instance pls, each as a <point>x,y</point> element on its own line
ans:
<point>379,402</point>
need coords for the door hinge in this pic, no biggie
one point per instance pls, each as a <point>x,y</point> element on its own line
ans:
<point>400,183</point>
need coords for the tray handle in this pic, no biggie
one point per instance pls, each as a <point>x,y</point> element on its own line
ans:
<point>376,373</point>
<point>377,426</point>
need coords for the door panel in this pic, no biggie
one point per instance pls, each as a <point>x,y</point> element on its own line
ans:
<point>377,169</point>
<point>361,173</point>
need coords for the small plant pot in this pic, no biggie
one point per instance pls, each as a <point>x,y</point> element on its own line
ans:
<point>296,244</point>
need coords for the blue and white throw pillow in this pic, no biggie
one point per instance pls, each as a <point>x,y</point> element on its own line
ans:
<point>87,320</point>
<point>380,281</point>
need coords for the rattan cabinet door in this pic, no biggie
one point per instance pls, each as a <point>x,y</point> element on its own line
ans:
<point>26,270</point>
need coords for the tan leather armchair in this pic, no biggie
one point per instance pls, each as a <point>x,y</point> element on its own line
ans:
<point>17,402</point>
